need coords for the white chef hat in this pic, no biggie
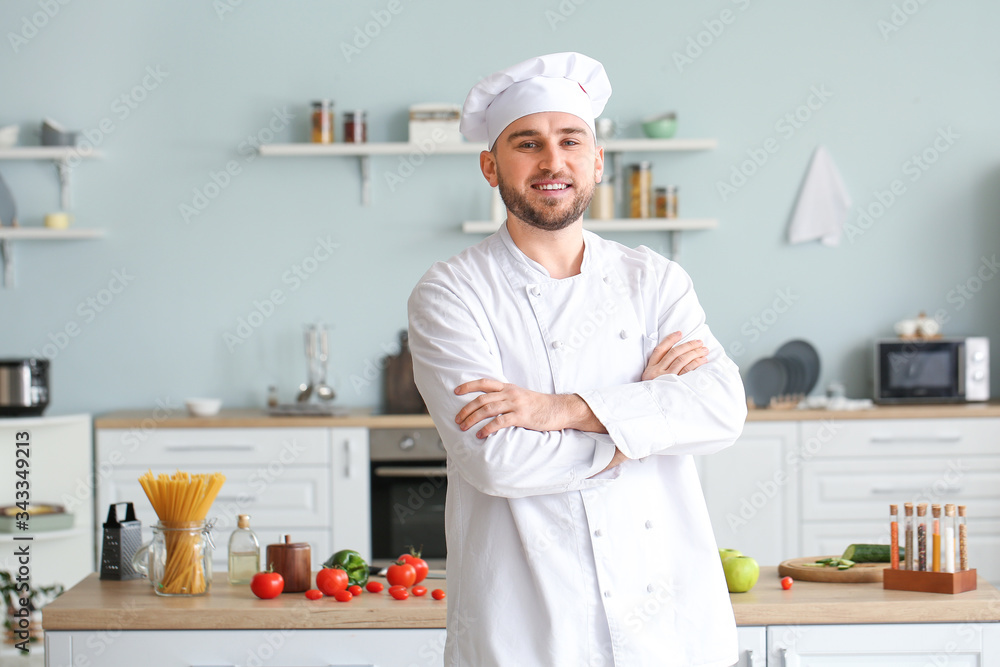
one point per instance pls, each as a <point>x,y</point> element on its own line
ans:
<point>567,82</point>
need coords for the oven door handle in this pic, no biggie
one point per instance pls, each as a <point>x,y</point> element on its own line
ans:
<point>404,471</point>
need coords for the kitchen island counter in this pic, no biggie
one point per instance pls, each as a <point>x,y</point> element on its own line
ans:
<point>132,605</point>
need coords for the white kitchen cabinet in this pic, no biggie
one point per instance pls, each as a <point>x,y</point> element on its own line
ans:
<point>898,645</point>
<point>59,473</point>
<point>753,646</point>
<point>751,490</point>
<point>418,647</point>
<point>286,479</point>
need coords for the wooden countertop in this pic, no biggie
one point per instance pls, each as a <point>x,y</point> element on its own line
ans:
<point>252,418</point>
<point>131,605</point>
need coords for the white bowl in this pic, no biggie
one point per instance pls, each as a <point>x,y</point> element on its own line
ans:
<point>203,407</point>
<point>8,136</point>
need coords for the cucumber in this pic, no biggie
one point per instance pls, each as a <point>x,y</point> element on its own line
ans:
<point>870,553</point>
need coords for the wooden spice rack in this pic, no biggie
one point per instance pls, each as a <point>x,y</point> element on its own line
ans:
<point>929,582</point>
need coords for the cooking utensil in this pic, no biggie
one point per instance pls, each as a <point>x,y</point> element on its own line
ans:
<point>807,354</point>
<point>859,573</point>
<point>317,356</point>
<point>401,394</point>
<point>24,387</point>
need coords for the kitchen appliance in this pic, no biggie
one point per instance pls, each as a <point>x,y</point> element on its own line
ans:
<point>24,387</point>
<point>409,482</point>
<point>943,370</point>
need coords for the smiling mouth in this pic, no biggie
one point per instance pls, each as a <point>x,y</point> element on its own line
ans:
<point>551,186</point>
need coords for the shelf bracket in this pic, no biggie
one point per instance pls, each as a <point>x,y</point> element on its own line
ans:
<point>63,167</point>
<point>7,262</point>
<point>674,239</point>
<point>366,180</point>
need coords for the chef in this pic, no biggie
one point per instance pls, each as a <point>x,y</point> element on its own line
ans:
<point>572,379</point>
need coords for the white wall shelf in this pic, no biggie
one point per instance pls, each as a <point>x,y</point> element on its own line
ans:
<point>62,157</point>
<point>364,151</point>
<point>617,225</point>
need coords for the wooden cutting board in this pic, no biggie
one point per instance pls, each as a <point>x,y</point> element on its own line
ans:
<point>861,573</point>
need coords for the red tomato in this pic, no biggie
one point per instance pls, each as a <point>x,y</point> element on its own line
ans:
<point>374,586</point>
<point>419,590</point>
<point>330,580</point>
<point>313,594</point>
<point>401,574</point>
<point>419,565</point>
<point>437,594</point>
<point>787,582</point>
<point>399,593</point>
<point>267,585</point>
<point>354,590</point>
<point>343,596</point>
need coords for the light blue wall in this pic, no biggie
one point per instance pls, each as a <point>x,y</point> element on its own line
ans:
<point>162,337</point>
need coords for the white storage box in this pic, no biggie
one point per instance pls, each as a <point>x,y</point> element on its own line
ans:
<point>436,122</point>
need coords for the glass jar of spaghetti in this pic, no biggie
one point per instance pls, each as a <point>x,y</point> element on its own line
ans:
<point>178,561</point>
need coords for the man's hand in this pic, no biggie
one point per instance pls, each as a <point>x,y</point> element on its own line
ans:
<point>668,358</point>
<point>511,405</point>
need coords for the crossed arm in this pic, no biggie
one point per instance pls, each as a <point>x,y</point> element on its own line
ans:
<point>507,405</point>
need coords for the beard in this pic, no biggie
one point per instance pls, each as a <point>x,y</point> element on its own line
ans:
<point>549,215</point>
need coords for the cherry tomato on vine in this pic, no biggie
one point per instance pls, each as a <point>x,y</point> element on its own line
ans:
<point>401,574</point>
<point>420,566</point>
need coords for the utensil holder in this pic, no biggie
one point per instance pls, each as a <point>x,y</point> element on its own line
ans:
<point>121,540</point>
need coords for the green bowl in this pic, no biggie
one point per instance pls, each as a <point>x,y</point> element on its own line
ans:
<point>660,127</point>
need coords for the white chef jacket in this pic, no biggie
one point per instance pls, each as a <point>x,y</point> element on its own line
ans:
<point>549,564</point>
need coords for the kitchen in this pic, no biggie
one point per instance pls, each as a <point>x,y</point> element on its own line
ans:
<point>214,254</point>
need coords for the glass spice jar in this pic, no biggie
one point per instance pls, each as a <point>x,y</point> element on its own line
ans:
<point>355,127</point>
<point>670,205</point>
<point>322,122</point>
<point>641,190</point>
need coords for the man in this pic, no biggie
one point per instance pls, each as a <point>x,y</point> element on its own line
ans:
<point>553,365</point>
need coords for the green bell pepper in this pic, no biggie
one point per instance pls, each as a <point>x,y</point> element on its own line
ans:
<point>352,563</point>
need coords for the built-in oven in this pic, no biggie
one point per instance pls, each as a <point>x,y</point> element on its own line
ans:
<point>408,486</point>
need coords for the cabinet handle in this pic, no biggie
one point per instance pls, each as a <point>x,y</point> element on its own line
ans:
<point>789,658</point>
<point>209,448</point>
<point>749,654</point>
<point>887,439</point>
<point>401,471</point>
<point>347,459</point>
<point>890,491</point>
<point>242,500</point>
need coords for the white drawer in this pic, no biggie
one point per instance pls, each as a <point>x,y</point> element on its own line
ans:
<point>185,447</point>
<point>838,490</point>
<point>293,497</point>
<point>900,437</point>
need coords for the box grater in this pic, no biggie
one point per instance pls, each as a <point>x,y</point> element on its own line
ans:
<point>121,540</point>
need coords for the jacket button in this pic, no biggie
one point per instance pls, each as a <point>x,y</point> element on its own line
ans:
<point>623,334</point>
<point>649,589</point>
<point>556,344</point>
<point>649,524</point>
<point>607,594</point>
<point>536,292</point>
<point>598,533</point>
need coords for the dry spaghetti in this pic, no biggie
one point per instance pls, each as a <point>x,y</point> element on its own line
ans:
<point>181,502</point>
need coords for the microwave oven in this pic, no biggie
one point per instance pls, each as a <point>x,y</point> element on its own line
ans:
<point>945,370</point>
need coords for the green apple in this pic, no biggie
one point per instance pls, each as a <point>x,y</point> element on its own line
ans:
<point>729,553</point>
<point>741,573</point>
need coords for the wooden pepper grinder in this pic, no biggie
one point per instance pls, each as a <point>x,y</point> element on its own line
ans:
<point>292,560</point>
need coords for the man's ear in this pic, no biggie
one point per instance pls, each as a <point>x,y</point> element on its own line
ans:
<point>488,165</point>
<point>599,164</point>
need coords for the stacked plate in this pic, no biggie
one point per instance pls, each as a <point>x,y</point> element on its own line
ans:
<point>788,375</point>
